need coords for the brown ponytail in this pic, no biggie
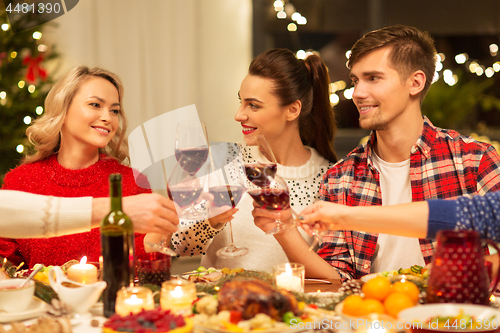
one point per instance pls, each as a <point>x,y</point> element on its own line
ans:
<point>308,82</point>
<point>318,129</point>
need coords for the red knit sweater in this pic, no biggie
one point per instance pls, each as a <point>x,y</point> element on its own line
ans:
<point>50,178</point>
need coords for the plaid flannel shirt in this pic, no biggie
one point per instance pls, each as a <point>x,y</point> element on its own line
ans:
<point>443,165</point>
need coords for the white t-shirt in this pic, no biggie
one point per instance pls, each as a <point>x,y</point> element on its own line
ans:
<point>394,252</point>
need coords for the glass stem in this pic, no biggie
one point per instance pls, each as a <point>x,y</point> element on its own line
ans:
<point>231,240</point>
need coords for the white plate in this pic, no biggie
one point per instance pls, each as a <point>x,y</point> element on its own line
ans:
<point>36,308</point>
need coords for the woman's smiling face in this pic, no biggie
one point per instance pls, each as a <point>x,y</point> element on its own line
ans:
<point>260,112</point>
<point>92,118</point>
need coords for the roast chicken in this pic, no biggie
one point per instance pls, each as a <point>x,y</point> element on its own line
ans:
<point>254,296</point>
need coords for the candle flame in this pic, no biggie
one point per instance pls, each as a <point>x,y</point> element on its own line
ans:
<point>134,300</point>
<point>288,269</point>
<point>83,261</point>
<point>177,292</point>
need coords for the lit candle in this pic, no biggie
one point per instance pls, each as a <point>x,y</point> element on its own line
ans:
<point>83,272</point>
<point>177,295</point>
<point>290,278</point>
<point>134,299</point>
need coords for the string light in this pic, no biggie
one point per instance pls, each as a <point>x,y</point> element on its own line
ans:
<point>42,48</point>
<point>461,58</point>
<point>489,72</point>
<point>473,66</point>
<point>496,66</point>
<point>278,5</point>
<point>296,16</point>
<point>285,10</point>
<point>334,99</point>
<point>21,84</point>
<point>348,93</point>
<point>302,20</point>
<point>39,110</point>
<point>5,27</point>
<point>301,54</point>
<point>292,27</point>
<point>3,94</point>
<point>27,120</point>
<point>13,54</point>
<point>20,149</point>
<point>493,49</point>
<point>37,35</point>
<point>348,54</point>
<point>31,88</point>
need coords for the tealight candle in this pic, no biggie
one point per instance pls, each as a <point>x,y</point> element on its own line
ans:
<point>177,295</point>
<point>83,272</point>
<point>133,300</point>
<point>290,276</point>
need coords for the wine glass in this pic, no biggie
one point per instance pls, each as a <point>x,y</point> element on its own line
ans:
<point>261,174</point>
<point>258,173</point>
<point>185,190</point>
<point>274,196</point>
<point>317,233</point>
<point>191,152</point>
<point>191,140</point>
<point>227,187</point>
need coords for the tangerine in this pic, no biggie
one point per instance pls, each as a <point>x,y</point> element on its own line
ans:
<point>371,305</point>
<point>378,288</point>
<point>396,302</point>
<point>351,305</point>
<point>409,288</point>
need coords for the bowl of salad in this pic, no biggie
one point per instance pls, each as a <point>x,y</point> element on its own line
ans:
<point>450,317</point>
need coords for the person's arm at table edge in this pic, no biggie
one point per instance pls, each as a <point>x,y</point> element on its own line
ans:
<point>421,219</point>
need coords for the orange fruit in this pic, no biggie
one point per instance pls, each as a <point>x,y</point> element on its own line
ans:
<point>378,287</point>
<point>396,302</point>
<point>371,305</point>
<point>409,288</point>
<point>351,305</point>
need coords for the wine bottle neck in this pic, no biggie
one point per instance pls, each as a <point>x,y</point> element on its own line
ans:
<point>116,195</point>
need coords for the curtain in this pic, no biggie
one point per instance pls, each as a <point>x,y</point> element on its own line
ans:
<point>168,53</point>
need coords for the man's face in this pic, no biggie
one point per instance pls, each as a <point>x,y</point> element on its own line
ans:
<point>379,93</point>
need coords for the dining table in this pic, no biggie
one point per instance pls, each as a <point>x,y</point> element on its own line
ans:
<point>92,322</point>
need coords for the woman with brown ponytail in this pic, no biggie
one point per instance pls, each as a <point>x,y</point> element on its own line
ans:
<point>286,100</point>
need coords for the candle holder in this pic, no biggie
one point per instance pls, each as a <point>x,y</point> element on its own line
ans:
<point>83,272</point>
<point>133,300</point>
<point>178,295</point>
<point>290,276</point>
<point>153,268</point>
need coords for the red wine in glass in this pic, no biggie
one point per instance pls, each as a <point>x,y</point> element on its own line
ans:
<point>259,173</point>
<point>271,198</point>
<point>184,196</point>
<point>196,158</point>
<point>228,195</point>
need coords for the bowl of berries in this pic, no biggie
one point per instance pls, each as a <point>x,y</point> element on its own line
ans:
<point>148,321</point>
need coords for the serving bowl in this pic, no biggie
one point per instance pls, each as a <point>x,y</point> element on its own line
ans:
<point>423,318</point>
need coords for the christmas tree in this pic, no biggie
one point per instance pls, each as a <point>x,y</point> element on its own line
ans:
<point>24,83</point>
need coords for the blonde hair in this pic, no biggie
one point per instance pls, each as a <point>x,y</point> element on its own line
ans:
<point>45,133</point>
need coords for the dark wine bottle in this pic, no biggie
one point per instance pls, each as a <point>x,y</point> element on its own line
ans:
<point>117,247</point>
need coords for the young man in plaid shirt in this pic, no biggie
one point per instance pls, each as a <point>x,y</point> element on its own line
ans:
<point>405,159</point>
